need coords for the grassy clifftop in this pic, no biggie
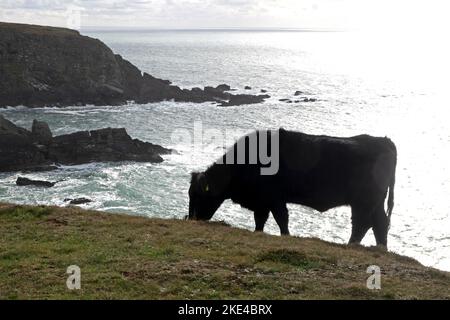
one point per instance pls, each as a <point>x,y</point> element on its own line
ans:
<point>37,29</point>
<point>133,257</point>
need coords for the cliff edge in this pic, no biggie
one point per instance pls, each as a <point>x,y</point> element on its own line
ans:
<point>48,66</point>
<point>126,257</point>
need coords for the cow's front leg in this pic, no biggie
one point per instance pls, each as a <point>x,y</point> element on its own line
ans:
<point>281,215</point>
<point>261,217</point>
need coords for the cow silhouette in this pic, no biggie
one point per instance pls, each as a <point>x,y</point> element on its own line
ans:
<point>321,172</point>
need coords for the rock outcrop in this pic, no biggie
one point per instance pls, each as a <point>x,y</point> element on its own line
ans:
<point>303,99</point>
<point>102,145</point>
<point>22,181</point>
<point>47,66</point>
<point>241,99</point>
<point>22,150</point>
<point>18,150</point>
<point>41,132</point>
<point>78,201</point>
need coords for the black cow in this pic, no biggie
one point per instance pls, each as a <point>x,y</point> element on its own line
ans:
<point>320,172</point>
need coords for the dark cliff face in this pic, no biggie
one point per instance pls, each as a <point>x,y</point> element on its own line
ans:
<point>52,66</point>
<point>43,66</point>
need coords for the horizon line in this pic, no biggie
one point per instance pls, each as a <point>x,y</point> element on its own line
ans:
<point>146,28</point>
<point>171,28</point>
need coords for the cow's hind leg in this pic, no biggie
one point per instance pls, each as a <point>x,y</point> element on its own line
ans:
<point>380,226</point>
<point>281,215</point>
<point>360,224</point>
<point>261,217</point>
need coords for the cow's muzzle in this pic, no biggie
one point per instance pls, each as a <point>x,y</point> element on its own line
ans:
<point>191,216</point>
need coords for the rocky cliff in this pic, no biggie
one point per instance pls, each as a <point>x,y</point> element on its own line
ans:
<point>47,66</point>
<point>37,149</point>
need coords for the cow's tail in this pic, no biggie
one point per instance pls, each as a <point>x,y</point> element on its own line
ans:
<point>390,202</point>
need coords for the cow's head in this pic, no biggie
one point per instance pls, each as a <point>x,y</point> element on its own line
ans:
<point>203,200</point>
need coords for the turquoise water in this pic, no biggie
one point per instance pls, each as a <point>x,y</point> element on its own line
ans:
<point>360,89</point>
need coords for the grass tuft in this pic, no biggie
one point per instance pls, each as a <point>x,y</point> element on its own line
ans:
<point>26,212</point>
<point>289,257</point>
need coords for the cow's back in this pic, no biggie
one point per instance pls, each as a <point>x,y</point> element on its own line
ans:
<point>318,171</point>
<point>324,172</point>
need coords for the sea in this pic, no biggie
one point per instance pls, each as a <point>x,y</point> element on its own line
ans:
<point>393,85</point>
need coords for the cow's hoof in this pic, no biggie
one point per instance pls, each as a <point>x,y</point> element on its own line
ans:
<point>381,247</point>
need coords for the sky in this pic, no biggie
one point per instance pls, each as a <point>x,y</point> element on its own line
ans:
<point>186,14</point>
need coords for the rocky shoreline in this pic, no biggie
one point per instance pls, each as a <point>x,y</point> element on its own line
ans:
<point>46,66</point>
<point>37,150</point>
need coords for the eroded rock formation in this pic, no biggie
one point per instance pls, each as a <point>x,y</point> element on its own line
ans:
<point>21,149</point>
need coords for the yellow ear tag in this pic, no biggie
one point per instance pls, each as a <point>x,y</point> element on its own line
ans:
<point>207,188</point>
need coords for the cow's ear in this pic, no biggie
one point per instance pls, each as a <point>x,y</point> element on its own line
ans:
<point>194,177</point>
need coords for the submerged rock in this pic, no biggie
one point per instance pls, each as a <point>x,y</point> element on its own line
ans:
<point>248,88</point>
<point>22,181</point>
<point>78,201</point>
<point>22,150</point>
